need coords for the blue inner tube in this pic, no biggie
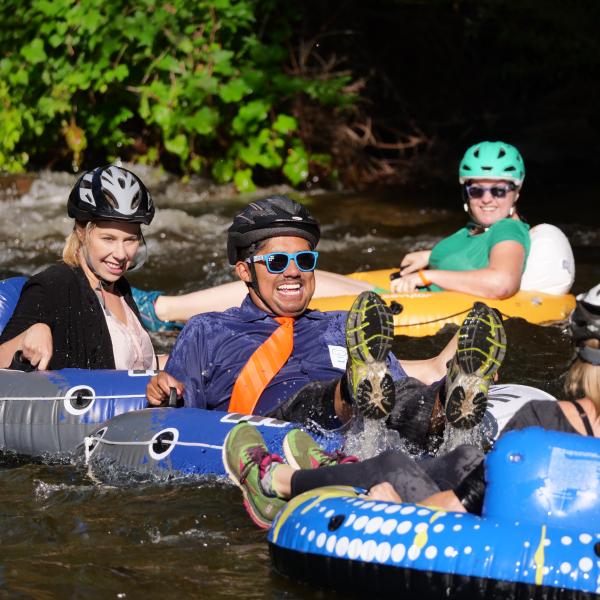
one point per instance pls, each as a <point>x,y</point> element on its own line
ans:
<point>541,539</point>
<point>10,290</point>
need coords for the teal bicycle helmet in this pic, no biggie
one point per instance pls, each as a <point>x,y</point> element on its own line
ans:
<point>492,160</point>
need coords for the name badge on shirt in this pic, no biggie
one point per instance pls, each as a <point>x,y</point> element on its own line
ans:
<point>339,356</point>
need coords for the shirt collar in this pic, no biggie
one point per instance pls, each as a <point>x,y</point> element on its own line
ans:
<point>250,312</point>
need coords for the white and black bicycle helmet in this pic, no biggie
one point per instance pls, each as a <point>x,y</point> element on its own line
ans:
<point>270,217</point>
<point>110,194</point>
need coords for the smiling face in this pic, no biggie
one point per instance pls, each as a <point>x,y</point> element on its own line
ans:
<point>287,294</point>
<point>109,247</point>
<point>487,210</point>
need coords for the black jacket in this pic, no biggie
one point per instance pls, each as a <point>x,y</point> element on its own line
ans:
<point>62,297</point>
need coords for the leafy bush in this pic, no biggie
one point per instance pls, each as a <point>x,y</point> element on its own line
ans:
<point>200,83</point>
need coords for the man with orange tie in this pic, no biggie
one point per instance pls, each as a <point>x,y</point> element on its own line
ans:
<point>273,356</point>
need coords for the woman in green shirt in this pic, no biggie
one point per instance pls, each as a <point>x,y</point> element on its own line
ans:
<point>487,257</point>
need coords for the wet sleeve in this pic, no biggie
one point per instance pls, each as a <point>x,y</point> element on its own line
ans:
<point>396,370</point>
<point>187,363</point>
<point>336,335</point>
<point>34,306</point>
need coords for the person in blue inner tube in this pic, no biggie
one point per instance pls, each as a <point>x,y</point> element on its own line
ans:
<point>486,257</point>
<point>339,362</point>
<point>80,313</point>
<point>452,482</point>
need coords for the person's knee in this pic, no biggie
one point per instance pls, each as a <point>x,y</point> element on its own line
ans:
<point>391,461</point>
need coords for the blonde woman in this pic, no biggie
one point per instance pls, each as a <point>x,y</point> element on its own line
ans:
<point>80,313</point>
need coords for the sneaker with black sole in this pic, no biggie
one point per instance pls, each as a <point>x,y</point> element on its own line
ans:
<point>302,452</point>
<point>246,459</point>
<point>481,350</point>
<point>369,337</point>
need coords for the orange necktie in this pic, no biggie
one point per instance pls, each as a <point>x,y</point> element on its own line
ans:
<point>262,366</point>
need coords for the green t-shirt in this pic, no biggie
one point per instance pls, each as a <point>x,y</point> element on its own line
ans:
<point>464,252</point>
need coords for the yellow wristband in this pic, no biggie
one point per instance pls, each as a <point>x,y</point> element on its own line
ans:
<point>424,279</point>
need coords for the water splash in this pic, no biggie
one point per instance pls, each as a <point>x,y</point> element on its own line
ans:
<point>454,437</point>
<point>369,437</point>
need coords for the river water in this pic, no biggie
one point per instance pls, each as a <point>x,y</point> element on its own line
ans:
<point>63,536</point>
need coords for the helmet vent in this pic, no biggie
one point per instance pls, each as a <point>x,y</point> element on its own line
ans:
<point>501,153</point>
<point>110,199</point>
<point>487,168</point>
<point>476,153</point>
<point>269,217</point>
<point>511,168</point>
<point>110,193</point>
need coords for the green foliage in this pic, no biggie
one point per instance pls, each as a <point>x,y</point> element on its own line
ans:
<point>205,84</point>
<point>11,128</point>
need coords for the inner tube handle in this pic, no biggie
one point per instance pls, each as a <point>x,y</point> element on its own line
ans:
<point>20,363</point>
<point>175,401</point>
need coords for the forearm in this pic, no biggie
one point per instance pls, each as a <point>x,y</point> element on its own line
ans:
<point>185,306</point>
<point>444,500</point>
<point>414,261</point>
<point>487,283</point>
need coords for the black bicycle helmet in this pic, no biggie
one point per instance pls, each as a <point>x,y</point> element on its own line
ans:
<point>585,319</point>
<point>270,217</point>
<point>110,194</point>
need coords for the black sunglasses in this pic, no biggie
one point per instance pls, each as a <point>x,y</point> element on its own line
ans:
<point>278,262</point>
<point>474,191</point>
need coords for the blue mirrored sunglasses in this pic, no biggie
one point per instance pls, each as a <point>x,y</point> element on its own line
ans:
<point>278,262</point>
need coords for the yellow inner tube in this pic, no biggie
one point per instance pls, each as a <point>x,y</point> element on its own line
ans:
<point>424,313</point>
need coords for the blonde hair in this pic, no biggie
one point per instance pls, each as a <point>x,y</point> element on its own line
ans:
<point>73,244</point>
<point>583,378</point>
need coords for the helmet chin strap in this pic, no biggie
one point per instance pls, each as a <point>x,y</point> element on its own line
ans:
<point>103,282</point>
<point>253,283</point>
<point>474,226</point>
<point>511,212</point>
<point>142,253</point>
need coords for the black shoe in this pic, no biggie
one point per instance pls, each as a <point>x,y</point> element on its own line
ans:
<point>481,350</point>
<point>369,336</point>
